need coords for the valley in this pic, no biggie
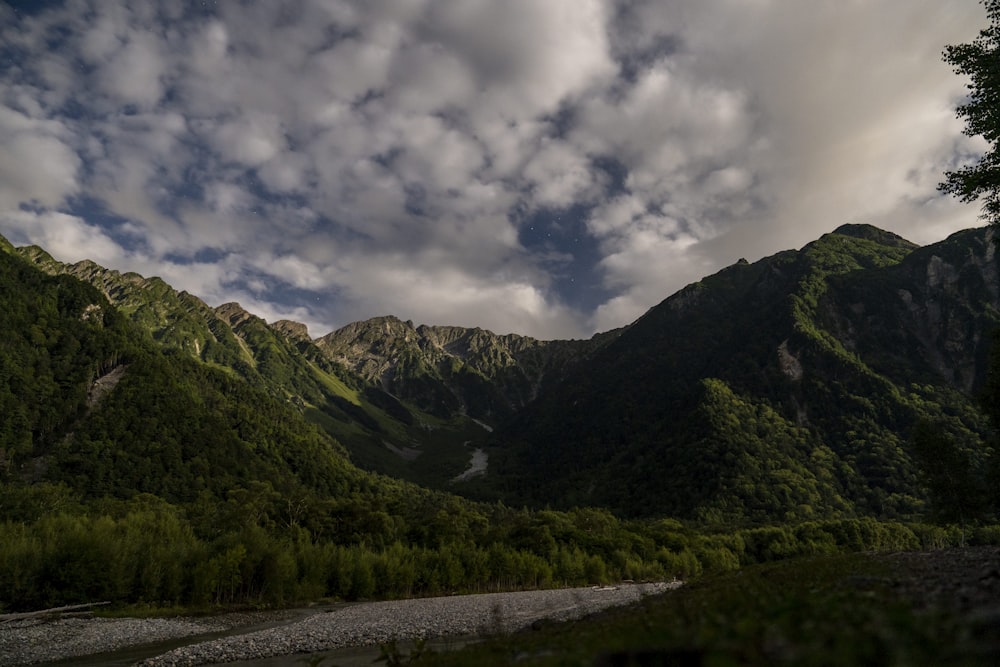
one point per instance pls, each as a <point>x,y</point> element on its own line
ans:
<point>161,453</point>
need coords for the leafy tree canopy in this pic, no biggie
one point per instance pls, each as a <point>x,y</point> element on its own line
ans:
<point>980,61</point>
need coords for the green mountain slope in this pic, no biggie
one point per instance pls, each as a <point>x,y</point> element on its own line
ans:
<point>91,401</point>
<point>378,430</point>
<point>786,388</point>
<point>398,397</point>
<point>139,474</point>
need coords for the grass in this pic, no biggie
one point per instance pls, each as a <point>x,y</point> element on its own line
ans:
<point>839,610</point>
<point>443,452</point>
<point>336,385</point>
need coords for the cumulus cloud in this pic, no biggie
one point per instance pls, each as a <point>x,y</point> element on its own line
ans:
<point>782,124</point>
<point>560,175</point>
<point>527,57</point>
<point>851,103</point>
<point>442,159</point>
<point>38,164</point>
<point>503,304</point>
<point>63,236</point>
<point>133,74</point>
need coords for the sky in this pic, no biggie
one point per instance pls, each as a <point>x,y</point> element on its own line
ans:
<point>552,168</point>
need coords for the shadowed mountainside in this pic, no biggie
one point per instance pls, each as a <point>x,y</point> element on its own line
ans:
<point>787,387</point>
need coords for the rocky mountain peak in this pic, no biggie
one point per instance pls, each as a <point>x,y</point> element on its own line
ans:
<point>383,328</point>
<point>291,329</point>
<point>233,314</point>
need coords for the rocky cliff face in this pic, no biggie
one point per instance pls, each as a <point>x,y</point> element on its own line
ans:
<point>234,314</point>
<point>295,331</point>
<point>448,370</point>
<point>930,318</point>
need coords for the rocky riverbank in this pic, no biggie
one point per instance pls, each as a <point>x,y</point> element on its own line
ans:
<point>34,641</point>
<point>37,640</point>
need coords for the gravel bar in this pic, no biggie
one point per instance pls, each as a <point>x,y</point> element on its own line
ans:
<point>29,641</point>
<point>49,639</point>
<point>377,622</point>
<point>24,642</point>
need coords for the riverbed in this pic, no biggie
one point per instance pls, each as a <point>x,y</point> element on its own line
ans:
<point>206,641</point>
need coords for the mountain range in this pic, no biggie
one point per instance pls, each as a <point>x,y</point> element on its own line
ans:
<point>787,387</point>
<point>783,389</point>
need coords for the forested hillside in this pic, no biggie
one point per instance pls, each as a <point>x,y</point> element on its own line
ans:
<point>787,388</point>
<point>282,361</point>
<point>96,403</point>
<point>156,450</point>
<point>134,472</point>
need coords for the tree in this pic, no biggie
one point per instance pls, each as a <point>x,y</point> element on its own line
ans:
<point>953,481</point>
<point>980,61</point>
<point>990,399</point>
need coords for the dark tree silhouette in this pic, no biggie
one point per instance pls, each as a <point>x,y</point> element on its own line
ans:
<point>953,483</point>
<point>980,61</point>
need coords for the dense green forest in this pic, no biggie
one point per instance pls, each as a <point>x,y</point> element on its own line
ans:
<point>56,550</point>
<point>139,468</point>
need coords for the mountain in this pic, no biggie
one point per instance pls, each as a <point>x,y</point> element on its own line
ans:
<point>283,361</point>
<point>156,450</point>
<point>135,471</point>
<point>399,398</point>
<point>782,389</point>
<point>787,387</point>
<point>449,370</point>
<point>91,401</point>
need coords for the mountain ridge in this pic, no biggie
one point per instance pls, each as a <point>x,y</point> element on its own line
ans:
<point>447,369</point>
<point>801,373</point>
<point>774,334</point>
<point>446,376</point>
<point>157,451</point>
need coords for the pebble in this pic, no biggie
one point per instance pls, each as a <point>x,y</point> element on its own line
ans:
<point>364,624</point>
<point>379,622</point>
<point>28,641</point>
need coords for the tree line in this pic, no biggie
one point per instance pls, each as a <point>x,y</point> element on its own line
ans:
<point>146,551</point>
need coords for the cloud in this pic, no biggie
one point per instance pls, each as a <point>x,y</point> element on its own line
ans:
<point>527,57</point>
<point>132,75</point>
<point>38,164</point>
<point>287,172</point>
<point>560,175</point>
<point>800,119</point>
<point>851,100</point>
<point>251,139</point>
<point>432,292</point>
<point>446,160</point>
<point>65,237</point>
